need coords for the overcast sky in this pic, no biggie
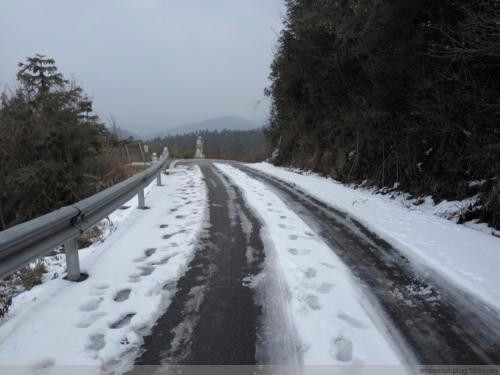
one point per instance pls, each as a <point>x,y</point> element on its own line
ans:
<point>152,64</point>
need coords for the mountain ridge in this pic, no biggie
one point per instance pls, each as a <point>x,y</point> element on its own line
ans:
<point>218,123</point>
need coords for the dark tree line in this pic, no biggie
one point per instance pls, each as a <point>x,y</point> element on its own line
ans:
<point>404,92</point>
<point>241,145</point>
<point>53,150</point>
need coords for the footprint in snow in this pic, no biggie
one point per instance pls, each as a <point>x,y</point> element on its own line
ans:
<point>122,322</point>
<point>91,305</point>
<point>147,254</point>
<point>163,260</point>
<point>310,273</point>
<point>325,288</point>
<point>150,251</point>
<point>170,286</point>
<point>122,295</point>
<point>341,348</point>
<point>297,252</point>
<point>163,226</point>
<point>313,302</point>
<point>96,343</point>
<point>293,237</point>
<point>170,235</point>
<point>145,271</point>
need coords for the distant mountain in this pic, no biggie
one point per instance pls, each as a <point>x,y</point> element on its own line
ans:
<point>220,123</point>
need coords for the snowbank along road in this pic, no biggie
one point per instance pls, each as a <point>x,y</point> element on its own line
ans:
<point>232,266</point>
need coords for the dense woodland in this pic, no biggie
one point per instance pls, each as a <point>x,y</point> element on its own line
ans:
<point>242,145</point>
<point>53,150</point>
<point>393,92</point>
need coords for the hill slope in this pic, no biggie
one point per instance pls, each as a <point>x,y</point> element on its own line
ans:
<point>219,123</point>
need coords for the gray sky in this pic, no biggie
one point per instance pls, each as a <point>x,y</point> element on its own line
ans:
<point>152,64</point>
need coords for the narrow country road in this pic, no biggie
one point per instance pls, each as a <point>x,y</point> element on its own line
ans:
<point>214,317</point>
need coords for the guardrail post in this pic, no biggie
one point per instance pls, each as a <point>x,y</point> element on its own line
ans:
<point>158,179</point>
<point>140,195</point>
<point>72,260</point>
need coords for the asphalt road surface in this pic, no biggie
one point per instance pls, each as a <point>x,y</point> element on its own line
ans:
<point>213,318</point>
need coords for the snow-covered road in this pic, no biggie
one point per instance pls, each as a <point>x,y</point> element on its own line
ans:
<point>231,265</point>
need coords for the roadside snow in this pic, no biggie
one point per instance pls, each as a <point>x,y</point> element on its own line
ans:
<point>331,323</point>
<point>466,257</point>
<point>55,265</point>
<point>100,322</point>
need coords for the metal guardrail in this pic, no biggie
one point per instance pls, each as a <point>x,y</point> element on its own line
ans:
<point>33,239</point>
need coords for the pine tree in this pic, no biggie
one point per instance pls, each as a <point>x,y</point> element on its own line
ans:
<point>38,75</point>
<point>50,140</point>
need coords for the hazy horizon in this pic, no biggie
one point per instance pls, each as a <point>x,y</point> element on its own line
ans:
<point>162,130</point>
<point>153,64</point>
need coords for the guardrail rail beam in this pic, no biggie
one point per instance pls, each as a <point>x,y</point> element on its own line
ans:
<point>26,242</point>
